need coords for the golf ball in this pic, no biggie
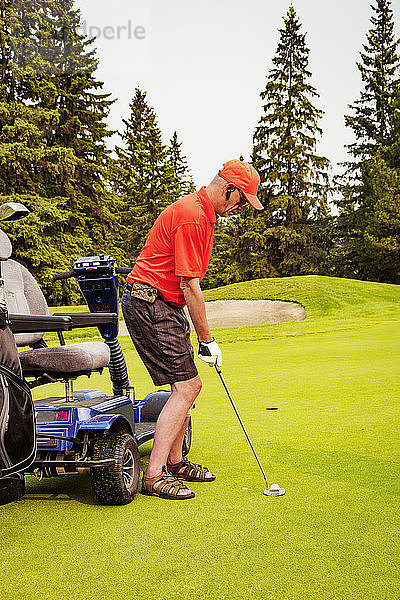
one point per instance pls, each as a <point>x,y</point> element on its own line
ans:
<point>274,486</point>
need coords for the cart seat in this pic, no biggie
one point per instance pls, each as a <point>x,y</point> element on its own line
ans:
<point>68,360</point>
<point>5,246</point>
<point>24,297</point>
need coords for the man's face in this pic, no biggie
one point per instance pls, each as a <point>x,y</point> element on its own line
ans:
<point>234,204</point>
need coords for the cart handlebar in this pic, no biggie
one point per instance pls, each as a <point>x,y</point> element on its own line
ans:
<point>68,274</point>
<point>65,275</point>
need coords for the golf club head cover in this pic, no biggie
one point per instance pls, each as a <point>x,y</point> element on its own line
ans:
<point>210,352</point>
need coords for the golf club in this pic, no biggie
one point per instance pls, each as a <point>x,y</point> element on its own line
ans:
<point>274,490</point>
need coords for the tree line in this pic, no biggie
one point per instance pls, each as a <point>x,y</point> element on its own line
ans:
<point>86,198</point>
<point>357,233</point>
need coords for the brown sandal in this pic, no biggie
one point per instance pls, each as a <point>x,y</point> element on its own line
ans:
<point>164,485</point>
<point>190,471</point>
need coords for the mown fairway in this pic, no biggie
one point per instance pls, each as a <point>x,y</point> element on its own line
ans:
<point>333,444</point>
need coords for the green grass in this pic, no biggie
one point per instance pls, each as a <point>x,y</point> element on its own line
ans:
<point>332,443</point>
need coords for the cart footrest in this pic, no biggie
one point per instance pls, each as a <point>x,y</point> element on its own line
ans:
<point>75,463</point>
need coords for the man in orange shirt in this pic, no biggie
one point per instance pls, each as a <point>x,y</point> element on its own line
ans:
<point>165,278</point>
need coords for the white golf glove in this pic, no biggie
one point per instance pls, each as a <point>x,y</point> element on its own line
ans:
<point>210,352</point>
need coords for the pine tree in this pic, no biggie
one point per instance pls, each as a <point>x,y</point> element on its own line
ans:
<point>372,121</point>
<point>30,172</point>
<point>184,181</point>
<point>359,253</point>
<point>52,110</point>
<point>35,175</point>
<point>83,127</point>
<point>281,240</point>
<point>143,176</point>
<point>380,245</point>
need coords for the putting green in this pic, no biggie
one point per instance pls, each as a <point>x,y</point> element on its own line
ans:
<point>332,443</point>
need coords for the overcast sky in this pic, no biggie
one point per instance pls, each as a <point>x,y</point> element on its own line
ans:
<point>204,64</point>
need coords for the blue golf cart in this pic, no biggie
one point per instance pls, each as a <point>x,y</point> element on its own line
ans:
<point>82,429</point>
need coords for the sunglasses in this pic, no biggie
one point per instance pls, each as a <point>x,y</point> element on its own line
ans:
<point>231,188</point>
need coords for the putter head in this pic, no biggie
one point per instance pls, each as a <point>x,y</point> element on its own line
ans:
<point>275,490</point>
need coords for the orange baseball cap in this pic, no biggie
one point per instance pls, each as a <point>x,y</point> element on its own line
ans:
<point>244,177</point>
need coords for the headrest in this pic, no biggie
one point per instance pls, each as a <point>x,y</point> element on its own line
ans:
<point>5,246</point>
<point>23,297</point>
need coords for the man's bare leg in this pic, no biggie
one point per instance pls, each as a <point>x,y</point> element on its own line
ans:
<point>171,422</point>
<point>175,454</point>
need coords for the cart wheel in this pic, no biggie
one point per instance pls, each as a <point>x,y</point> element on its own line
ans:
<point>187,440</point>
<point>118,483</point>
<point>11,489</point>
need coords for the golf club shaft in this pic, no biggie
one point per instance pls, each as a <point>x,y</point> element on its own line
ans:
<point>240,421</point>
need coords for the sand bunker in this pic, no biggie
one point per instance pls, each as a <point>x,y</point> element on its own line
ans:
<point>238,313</point>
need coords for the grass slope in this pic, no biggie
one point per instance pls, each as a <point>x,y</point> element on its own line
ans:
<point>331,304</point>
<point>333,444</point>
<point>326,297</point>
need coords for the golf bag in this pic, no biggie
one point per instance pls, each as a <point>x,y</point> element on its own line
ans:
<point>17,419</point>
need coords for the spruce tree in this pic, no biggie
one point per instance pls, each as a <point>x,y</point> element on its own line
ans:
<point>379,253</point>
<point>83,109</point>
<point>37,176</point>
<point>379,247</point>
<point>77,95</point>
<point>143,175</point>
<point>31,172</point>
<point>373,111</point>
<point>182,176</point>
<point>360,239</point>
<point>281,240</point>
<point>52,110</point>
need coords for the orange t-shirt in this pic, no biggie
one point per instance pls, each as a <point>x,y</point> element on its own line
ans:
<point>178,245</point>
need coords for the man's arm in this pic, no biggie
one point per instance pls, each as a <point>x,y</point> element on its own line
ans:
<point>208,349</point>
<point>194,299</point>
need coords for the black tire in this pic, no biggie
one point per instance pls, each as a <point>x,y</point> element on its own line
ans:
<point>187,440</point>
<point>11,489</point>
<point>154,405</point>
<point>118,483</point>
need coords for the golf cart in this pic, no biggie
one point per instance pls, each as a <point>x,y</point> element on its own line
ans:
<point>83,429</point>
